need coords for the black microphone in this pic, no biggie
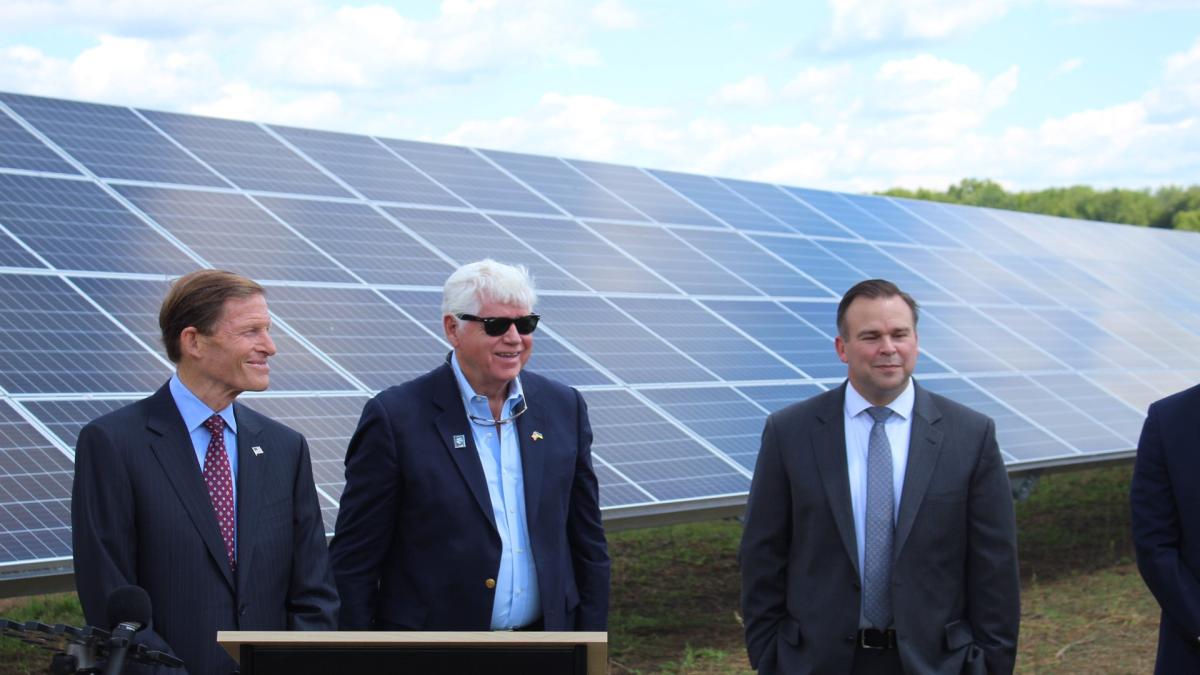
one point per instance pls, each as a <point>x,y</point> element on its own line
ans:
<point>128,612</point>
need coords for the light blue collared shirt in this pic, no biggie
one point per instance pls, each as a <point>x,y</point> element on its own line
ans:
<point>195,412</point>
<point>858,434</point>
<point>518,601</point>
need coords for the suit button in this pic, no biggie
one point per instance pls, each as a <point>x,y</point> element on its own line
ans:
<point>490,583</point>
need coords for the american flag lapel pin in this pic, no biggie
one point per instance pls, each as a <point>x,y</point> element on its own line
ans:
<point>257,450</point>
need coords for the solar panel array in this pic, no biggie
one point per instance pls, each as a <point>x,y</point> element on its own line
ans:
<point>685,307</point>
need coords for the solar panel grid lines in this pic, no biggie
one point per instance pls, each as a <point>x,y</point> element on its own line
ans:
<point>751,262</point>
<point>470,177</point>
<point>245,154</point>
<point>231,231</point>
<point>720,201</point>
<point>368,167</point>
<point>77,225</point>
<point>709,340</point>
<point>367,244</point>
<point>588,257</point>
<point>560,183</point>
<point>646,194</point>
<point>20,149</point>
<point>915,228</point>
<point>106,140</point>
<point>1020,438</point>
<point>684,307</point>
<point>663,252</point>
<point>786,208</point>
<point>842,211</point>
<point>463,237</point>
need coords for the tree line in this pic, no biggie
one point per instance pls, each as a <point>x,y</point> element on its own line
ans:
<point>1171,207</point>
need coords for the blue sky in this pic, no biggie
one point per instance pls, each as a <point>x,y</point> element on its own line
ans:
<point>841,94</point>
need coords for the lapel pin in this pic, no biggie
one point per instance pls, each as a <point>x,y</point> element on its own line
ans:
<point>460,441</point>
<point>257,450</point>
<point>537,436</point>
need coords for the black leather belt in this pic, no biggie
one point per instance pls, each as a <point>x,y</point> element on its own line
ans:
<point>873,638</point>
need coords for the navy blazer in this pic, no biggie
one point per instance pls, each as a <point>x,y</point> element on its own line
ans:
<point>955,585</point>
<point>1165,500</point>
<point>416,543</point>
<point>140,514</point>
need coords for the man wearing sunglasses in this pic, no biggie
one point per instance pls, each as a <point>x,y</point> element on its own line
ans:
<point>470,500</point>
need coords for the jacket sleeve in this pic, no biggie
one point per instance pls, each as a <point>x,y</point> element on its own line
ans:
<point>992,574</point>
<point>1157,532</point>
<point>366,518</point>
<point>104,531</point>
<point>585,532</point>
<point>763,555</point>
<point>312,602</point>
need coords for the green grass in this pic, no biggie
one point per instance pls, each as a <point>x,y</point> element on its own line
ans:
<point>676,591</point>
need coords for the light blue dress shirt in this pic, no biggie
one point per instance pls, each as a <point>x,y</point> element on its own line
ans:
<point>194,412</point>
<point>518,601</point>
<point>858,434</point>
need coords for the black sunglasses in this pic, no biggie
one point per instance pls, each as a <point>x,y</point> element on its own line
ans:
<point>498,325</point>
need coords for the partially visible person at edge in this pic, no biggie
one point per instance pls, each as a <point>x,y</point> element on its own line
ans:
<point>206,504</point>
<point>1165,501</point>
<point>470,500</point>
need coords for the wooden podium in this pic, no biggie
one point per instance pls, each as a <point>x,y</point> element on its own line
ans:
<point>426,653</point>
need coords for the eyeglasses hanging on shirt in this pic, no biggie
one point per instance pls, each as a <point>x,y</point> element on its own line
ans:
<point>484,421</point>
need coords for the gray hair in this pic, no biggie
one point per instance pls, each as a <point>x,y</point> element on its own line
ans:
<point>487,280</point>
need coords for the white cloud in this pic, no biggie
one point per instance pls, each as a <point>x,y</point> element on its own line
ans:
<point>137,71</point>
<point>751,91</point>
<point>588,127</point>
<point>1068,66</point>
<point>149,18</point>
<point>858,23</point>
<point>818,82</point>
<point>116,70</point>
<point>377,47</point>
<point>1136,5</point>
<point>615,15</point>
<point>241,101</point>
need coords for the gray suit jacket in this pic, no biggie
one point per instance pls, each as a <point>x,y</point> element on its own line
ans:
<point>140,514</point>
<point>954,568</point>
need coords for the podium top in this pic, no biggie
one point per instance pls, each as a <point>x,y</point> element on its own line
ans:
<point>232,641</point>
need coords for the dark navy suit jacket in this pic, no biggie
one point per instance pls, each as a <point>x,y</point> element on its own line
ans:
<point>416,543</point>
<point>140,514</point>
<point>955,587</point>
<point>1165,497</point>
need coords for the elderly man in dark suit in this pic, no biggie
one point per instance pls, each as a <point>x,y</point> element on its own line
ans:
<point>206,504</point>
<point>470,500</point>
<point>1166,525</point>
<point>880,534</point>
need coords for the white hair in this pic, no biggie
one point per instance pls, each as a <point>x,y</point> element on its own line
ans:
<point>487,280</point>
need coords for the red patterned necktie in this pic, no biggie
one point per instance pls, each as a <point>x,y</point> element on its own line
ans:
<point>219,480</point>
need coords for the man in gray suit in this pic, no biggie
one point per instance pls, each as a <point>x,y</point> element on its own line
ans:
<point>880,535</point>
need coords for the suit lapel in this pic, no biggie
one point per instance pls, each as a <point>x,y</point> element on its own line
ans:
<point>829,446</point>
<point>452,422</point>
<point>924,446</point>
<point>172,447</point>
<point>533,451</point>
<point>251,472</point>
